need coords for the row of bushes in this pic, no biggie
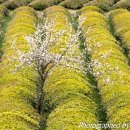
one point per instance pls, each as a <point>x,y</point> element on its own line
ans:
<point>122,4</point>
<point>18,89</point>
<point>121,19</point>
<point>110,66</point>
<point>67,91</point>
<point>103,4</point>
<point>74,4</point>
<point>42,4</point>
<point>12,4</point>
<point>3,13</point>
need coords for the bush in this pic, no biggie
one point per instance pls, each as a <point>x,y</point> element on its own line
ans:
<point>103,4</point>
<point>121,21</point>
<point>18,90</point>
<point>74,4</point>
<point>42,4</point>
<point>110,66</point>
<point>90,8</point>
<point>68,93</point>
<point>122,4</point>
<point>12,4</point>
<point>3,12</point>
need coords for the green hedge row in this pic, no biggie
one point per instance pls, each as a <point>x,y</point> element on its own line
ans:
<point>3,12</point>
<point>110,66</point>
<point>121,21</point>
<point>122,4</point>
<point>74,4</point>
<point>103,4</point>
<point>42,4</point>
<point>12,4</point>
<point>18,90</point>
<point>67,90</point>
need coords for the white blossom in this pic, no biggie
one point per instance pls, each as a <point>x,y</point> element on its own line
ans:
<point>40,56</point>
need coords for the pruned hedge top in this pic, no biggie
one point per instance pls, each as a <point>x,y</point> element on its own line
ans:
<point>68,93</point>
<point>121,22</point>
<point>110,66</point>
<point>42,4</point>
<point>18,89</point>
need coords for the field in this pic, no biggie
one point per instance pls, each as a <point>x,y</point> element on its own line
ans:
<point>71,4</point>
<point>64,65</point>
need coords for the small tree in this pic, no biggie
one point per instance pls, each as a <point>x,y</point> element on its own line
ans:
<point>41,58</point>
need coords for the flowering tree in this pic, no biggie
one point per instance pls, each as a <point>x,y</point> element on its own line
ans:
<point>40,56</point>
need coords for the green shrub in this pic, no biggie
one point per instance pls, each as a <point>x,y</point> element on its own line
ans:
<point>18,90</point>
<point>74,4</point>
<point>12,4</point>
<point>103,4</point>
<point>3,12</point>
<point>68,94</point>
<point>42,4</point>
<point>90,8</point>
<point>122,4</point>
<point>121,21</point>
<point>110,66</point>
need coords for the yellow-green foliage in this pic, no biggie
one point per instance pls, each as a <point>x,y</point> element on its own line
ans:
<point>122,4</point>
<point>12,4</point>
<point>3,12</point>
<point>103,4</point>
<point>18,91</point>
<point>42,4</point>
<point>121,22</point>
<point>2,1</point>
<point>90,8</point>
<point>67,90</point>
<point>74,4</point>
<point>110,66</point>
<point>58,9</point>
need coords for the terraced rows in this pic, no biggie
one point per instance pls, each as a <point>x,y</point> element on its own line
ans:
<point>121,20</point>
<point>110,66</point>
<point>68,94</point>
<point>67,90</point>
<point>18,91</point>
<point>71,4</point>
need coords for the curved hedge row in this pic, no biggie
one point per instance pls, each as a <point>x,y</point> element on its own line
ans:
<point>121,21</point>
<point>103,4</point>
<point>42,4</point>
<point>74,4</point>
<point>71,4</point>
<point>110,66</point>
<point>3,12</point>
<point>12,4</point>
<point>18,91</point>
<point>122,4</point>
<point>67,91</point>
